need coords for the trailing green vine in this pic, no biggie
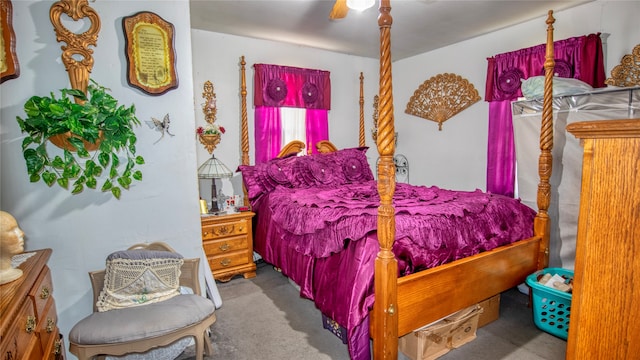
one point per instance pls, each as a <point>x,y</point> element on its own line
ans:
<point>95,119</point>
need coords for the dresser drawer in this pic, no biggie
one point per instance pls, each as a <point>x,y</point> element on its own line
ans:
<point>21,341</point>
<point>225,228</point>
<point>48,327</point>
<point>228,261</point>
<point>226,245</point>
<point>54,349</point>
<point>42,291</point>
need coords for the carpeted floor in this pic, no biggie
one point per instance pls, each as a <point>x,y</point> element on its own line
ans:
<point>265,318</point>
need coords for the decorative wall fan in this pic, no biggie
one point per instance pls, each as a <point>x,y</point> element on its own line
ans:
<point>627,73</point>
<point>341,7</point>
<point>441,97</point>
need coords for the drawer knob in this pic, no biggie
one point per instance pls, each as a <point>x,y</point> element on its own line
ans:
<point>225,262</point>
<point>225,230</point>
<point>31,324</point>
<point>224,247</point>
<point>57,347</point>
<point>44,294</point>
<point>50,324</point>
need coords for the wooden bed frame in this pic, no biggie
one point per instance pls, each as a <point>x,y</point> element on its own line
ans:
<point>410,302</point>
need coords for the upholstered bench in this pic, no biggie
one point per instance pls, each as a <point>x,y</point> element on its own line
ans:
<point>137,328</point>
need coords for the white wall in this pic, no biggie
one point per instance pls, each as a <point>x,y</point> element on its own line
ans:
<point>83,229</point>
<point>216,57</point>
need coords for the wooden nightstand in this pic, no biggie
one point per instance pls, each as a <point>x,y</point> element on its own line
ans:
<point>228,243</point>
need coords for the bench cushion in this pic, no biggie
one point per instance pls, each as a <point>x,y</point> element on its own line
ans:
<point>127,324</point>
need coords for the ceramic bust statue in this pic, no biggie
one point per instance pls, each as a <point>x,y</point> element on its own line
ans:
<point>11,243</point>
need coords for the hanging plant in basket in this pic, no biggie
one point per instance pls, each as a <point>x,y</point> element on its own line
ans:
<point>96,137</point>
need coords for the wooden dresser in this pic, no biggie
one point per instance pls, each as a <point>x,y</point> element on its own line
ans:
<point>28,318</point>
<point>228,244</point>
<point>605,304</point>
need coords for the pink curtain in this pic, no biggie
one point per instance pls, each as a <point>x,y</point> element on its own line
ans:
<point>267,133</point>
<point>284,86</point>
<point>579,57</point>
<point>317,127</point>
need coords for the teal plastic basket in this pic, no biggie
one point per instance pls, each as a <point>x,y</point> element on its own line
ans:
<point>551,307</point>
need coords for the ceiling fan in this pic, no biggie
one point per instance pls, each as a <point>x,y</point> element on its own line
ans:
<point>339,10</point>
<point>341,7</point>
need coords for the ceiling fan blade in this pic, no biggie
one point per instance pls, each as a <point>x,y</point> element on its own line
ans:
<point>339,10</point>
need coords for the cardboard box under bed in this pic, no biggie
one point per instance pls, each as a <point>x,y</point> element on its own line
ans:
<point>457,329</point>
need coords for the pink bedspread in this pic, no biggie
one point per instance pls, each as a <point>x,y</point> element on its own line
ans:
<point>324,239</point>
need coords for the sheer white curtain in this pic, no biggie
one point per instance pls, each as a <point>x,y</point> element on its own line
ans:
<point>293,121</point>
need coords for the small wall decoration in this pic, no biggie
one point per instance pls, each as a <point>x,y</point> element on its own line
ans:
<point>10,69</point>
<point>441,97</point>
<point>627,73</point>
<point>161,126</point>
<point>209,135</point>
<point>150,53</point>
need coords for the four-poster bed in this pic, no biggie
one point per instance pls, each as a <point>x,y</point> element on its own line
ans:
<point>408,302</point>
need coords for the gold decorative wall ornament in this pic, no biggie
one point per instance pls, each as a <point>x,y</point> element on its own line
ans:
<point>209,135</point>
<point>76,55</point>
<point>210,141</point>
<point>209,108</point>
<point>441,97</point>
<point>627,73</point>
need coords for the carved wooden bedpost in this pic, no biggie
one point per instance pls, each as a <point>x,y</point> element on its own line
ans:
<point>244,127</point>
<point>541,223</point>
<point>361,124</point>
<point>385,319</point>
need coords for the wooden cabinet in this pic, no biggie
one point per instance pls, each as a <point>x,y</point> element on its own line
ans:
<point>28,318</point>
<point>605,303</point>
<point>228,244</point>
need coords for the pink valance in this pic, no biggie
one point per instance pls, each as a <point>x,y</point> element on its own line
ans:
<point>578,57</point>
<point>278,86</point>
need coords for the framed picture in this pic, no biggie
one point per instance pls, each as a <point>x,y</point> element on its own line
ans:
<point>9,59</point>
<point>150,53</point>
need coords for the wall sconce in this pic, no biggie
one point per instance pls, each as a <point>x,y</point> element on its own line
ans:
<point>209,135</point>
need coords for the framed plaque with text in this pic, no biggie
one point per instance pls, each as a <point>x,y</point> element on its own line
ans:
<point>9,59</point>
<point>150,54</point>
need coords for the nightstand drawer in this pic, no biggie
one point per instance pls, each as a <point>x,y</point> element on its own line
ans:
<point>228,261</point>
<point>224,229</point>
<point>226,245</point>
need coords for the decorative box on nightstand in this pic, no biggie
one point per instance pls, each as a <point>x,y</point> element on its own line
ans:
<point>228,243</point>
